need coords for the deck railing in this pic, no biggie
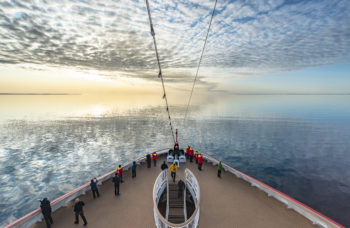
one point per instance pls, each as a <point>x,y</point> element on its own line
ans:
<point>36,215</point>
<point>315,217</point>
<point>193,186</point>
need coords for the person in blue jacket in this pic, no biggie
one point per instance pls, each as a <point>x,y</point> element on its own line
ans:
<point>94,188</point>
<point>133,169</point>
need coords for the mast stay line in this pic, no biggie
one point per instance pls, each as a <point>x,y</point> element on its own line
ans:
<point>160,69</point>
<point>200,60</point>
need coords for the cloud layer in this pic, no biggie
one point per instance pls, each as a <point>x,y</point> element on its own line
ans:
<point>250,38</point>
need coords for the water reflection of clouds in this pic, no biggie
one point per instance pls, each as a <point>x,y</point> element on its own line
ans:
<point>51,157</point>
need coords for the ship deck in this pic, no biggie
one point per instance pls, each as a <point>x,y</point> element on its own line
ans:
<point>225,202</point>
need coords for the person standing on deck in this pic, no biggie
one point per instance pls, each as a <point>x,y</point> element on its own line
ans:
<point>133,169</point>
<point>196,156</point>
<point>116,181</point>
<point>46,210</point>
<point>173,169</point>
<point>164,166</point>
<point>94,188</point>
<point>219,165</point>
<point>120,173</point>
<point>187,151</point>
<point>78,209</point>
<point>181,187</point>
<point>148,157</point>
<point>191,154</point>
<point>154,158</point>
<point>176,146</point>
<point>200,162</point>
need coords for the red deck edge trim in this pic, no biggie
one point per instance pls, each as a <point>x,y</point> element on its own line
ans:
<point>72,192</point>
<point>20,219</point>
<point>285,195</point>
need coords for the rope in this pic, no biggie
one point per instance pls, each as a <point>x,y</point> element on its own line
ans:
<point>200,60</point>
<point>160,69</point>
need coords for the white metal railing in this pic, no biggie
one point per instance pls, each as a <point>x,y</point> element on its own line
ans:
<point>315,217</point>
<point>185,207</point>
<point>167,199</point>
<point>36,215</point>
<point>158,189</point>
<point>193,186</point>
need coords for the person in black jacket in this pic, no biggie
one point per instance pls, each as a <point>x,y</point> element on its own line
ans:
<point>148,156</point>
<point>78,209</point>
<point>181,187</point>
<point>94,188</point>
<point>116,181</point>
<point>46,210</point>
<point>164,166</point>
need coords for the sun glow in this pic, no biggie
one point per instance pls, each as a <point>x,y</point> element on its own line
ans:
<point>98,111</point>
<point>30,78</point>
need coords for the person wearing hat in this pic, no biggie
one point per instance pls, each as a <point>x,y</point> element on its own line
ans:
<point>196,156</point>
<point>154,158</point>
<point>191,152</point>
<point>187,151</point>
<point>120,173</point>
<point>200,162</point>
<point>78,209</point>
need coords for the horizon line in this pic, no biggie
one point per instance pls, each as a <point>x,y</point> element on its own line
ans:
<point>40,94</point>
<point>290,94</point>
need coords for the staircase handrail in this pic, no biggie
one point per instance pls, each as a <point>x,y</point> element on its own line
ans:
<point>167,200</point>
<point>185,207</point>
<point>193,186</point>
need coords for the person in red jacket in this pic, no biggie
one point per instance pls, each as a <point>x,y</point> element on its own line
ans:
<point>200,162</point>
<point>154,158</point>
<point>191,153</point>
<point>120,173</point>
<point>196,156</point>
<point>187,151</point>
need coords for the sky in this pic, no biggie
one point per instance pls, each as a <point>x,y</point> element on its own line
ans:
<point>265,46</point>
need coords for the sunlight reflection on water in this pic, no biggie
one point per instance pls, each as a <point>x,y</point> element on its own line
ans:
<point>300,148</point>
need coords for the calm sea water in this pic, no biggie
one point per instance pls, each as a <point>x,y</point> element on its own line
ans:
<point>297,144</point>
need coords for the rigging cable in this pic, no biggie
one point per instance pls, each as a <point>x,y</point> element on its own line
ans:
<point>160,69</point>
<point>200,60</point>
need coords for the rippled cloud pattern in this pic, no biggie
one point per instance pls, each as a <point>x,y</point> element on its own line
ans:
<point>254,37</point>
